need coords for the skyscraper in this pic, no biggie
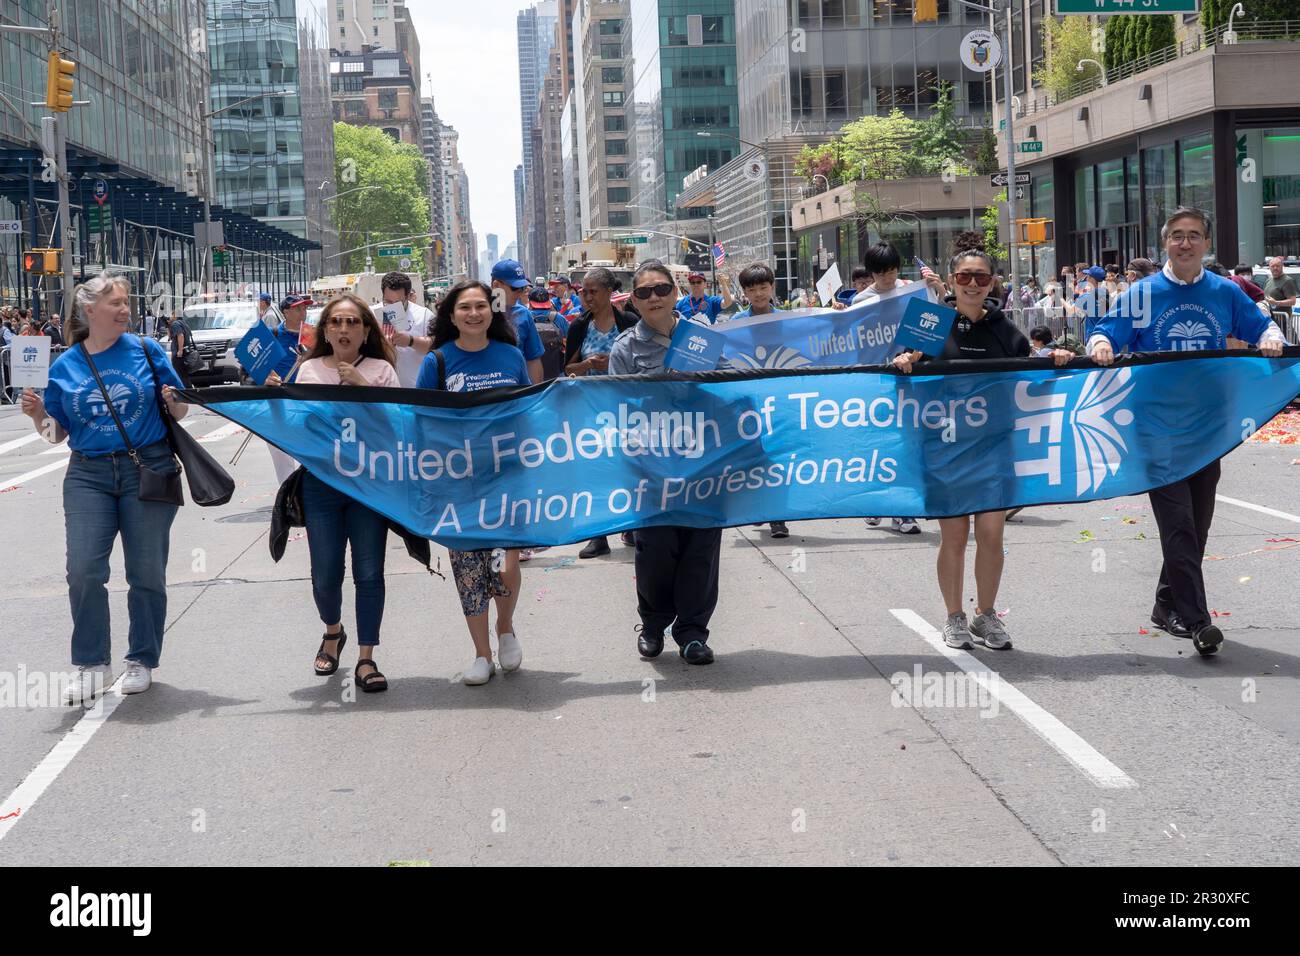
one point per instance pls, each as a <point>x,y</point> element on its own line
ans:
<point>536,33</point>
<point>431,145</point>
<point>602,74</point>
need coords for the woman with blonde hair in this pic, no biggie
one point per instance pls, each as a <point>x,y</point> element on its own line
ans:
<point>105,397</point>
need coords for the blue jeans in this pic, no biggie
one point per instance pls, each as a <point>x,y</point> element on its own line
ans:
<point>334,520</point>
<point>99,503</point>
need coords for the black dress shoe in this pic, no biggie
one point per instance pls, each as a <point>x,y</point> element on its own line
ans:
<point>1207,640</point>
<point>697,652</point>
<point>595,548</point>
<point>650,645</point>
<point>1170,623</point>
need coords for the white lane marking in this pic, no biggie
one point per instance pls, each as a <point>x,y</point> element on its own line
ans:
<point>1066,742</point>
<point>1260,508</point>
<point>23,479</point>
<point>225,431</point>
<point>47,771</point>
<point>19,442</point>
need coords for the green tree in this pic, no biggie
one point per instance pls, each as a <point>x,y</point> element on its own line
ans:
<point>989,220</point>
<point>1160,34</point>
<point>399,174</point>
<point>1111,57</point>
<point>1214,13</point>
<point>1065,43</point>
<point>939,142</point>
<point>986,154</point>
<point>879,147</point>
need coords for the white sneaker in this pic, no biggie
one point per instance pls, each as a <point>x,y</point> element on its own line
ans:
<point>509,654</point>
<point>872,522</point>
<point>480,672</point>
<point>89,683</point>
<point>906,526</point>
<point>138,678</point>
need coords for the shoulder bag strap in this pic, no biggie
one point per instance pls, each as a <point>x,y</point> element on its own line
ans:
<point>442,369</point>
<point>130,449</point>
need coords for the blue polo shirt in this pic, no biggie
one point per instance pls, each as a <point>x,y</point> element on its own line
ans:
<point>75,401</point>
<point>530,343</point>
<point>709,306</point>
<point>289,342</point>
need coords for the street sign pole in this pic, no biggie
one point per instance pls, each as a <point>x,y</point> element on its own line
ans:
<point>1007,69</point>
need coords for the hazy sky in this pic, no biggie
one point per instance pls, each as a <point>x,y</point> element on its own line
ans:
<point>470,58</point>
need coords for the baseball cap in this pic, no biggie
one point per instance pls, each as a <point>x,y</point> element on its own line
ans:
<point>293,300</point>
<point>560,280</point>
<point>265,297</point>
<point>541,296</point>
<point>1096,272</point>
<point>511,273</point>
<point>695,277</point>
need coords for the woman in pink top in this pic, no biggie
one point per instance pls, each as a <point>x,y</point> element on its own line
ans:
<point>351,350</point>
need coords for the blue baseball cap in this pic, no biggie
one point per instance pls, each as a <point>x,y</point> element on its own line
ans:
<point>511,273</point>
<point>265,297</point>
<point>1096,272</point>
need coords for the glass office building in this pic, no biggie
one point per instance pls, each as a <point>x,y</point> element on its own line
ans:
<point>141,66</point>
<point>684,83</point>
<point>264,165</point>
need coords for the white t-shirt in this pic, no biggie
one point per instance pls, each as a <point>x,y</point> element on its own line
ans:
<point>870,291</point>
<point>415,319</point>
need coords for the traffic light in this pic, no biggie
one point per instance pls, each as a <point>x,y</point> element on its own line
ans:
<point>925,11</point>
<point>40,262</point>
<point>58,87</point>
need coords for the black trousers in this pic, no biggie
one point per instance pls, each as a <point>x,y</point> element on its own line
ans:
<point>677,580</point>
<point>183,375</point>
<point>1183,513</point>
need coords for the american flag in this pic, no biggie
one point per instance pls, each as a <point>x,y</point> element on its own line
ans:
<point>719,255</point>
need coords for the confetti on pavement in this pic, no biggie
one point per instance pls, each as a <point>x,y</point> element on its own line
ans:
<point>1282,430</point>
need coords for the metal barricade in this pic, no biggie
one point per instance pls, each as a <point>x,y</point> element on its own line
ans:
<point>1289,323</point>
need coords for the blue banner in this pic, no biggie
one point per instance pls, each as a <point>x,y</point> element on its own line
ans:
<point>820,338</point>
<point>575,458</point>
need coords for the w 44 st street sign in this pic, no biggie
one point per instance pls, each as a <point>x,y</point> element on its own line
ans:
<point>1127,6</point>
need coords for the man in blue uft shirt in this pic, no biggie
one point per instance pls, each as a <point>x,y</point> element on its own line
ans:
<point>510,284</point>
<point>1184,308</point>
<point>708,306</point>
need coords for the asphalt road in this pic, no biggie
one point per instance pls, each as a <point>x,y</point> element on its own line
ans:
<point>1098,743</point>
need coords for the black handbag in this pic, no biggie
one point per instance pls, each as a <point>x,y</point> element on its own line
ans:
<point>154,485</point>
<point>210,484</point>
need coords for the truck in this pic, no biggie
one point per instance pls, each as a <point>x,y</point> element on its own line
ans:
<point>363,284</point>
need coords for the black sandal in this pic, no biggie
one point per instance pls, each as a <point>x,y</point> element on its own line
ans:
<point>371,683</point>
<point>342,638</point>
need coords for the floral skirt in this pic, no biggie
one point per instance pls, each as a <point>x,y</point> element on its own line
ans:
<point>478,578</point>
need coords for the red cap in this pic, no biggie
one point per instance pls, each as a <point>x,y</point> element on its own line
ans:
<point>695,277</point>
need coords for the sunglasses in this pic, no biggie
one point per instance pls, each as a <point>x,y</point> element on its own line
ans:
<point>979,278</point>
<point>339,321</point>
<point>663,289</point>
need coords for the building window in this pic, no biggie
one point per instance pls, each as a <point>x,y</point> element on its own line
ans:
<point>388,99</point>
<point>615,147</point>
<point>1196,173</point>
<point>713,30</point>
<point>611,28</point>
<point>1268,207</point>
<point>620,219</point>
<point>615,124</point>
<point>616,170</point>
<point>613,98</point>
<point>611,74</point>
<point>618,194</point>
<point>611,51</point>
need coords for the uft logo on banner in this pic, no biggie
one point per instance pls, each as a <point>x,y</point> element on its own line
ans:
<point>929,321</point>
<point>1094,420</point>
<point>697,343</point>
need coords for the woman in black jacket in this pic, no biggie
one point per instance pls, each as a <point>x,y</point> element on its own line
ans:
<point>981,331</point>
<point>587,348</point>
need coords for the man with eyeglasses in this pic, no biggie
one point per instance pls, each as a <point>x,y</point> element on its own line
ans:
<point>676,567</point>
<point>1184,308</point>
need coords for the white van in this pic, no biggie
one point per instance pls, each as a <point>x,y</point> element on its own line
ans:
<point>217,328</point>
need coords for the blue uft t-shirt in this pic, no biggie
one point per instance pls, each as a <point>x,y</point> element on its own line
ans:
<point>496,366</point>
<point>530,343</point>
<point>73,398</point>
<point>1158,315</point>
<point>709,306</point>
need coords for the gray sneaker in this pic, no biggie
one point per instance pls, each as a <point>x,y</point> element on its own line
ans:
<point>988,630</point>
<point>955,632</point>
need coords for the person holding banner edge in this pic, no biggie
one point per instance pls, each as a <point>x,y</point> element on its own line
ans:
<point>676,567</point>
<point>473,348</point>
<point>101,490</point>
<point>981,331</point>
<point>350,350</point>
<point>1179,305</point>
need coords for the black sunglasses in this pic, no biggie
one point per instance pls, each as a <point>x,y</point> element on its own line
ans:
<point>662,289</point>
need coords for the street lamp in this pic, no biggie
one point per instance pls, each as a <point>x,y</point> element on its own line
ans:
<point>1079,68</point>
<point>208,172</point>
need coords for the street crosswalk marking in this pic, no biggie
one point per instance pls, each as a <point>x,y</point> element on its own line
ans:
<point>1260,508</point>
<point>48,770</point>
<point>18,442</point>
<point>66,455</point>
<point>1064,740</point>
